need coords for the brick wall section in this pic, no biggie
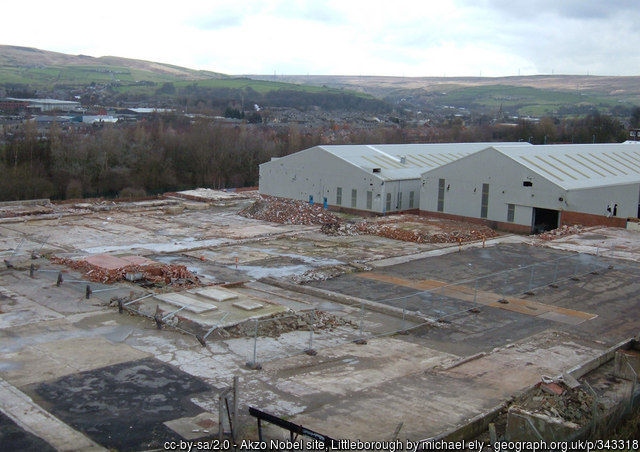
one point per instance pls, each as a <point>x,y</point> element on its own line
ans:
<point>498,225</point>
<point>566,218</point>
<point>588,219</point>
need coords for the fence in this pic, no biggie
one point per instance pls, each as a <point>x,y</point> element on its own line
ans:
<point>608,410</point>
<point>446,303</point>
<point>361,321</point>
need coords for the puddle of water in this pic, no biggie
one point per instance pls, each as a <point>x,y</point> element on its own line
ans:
<point>174,246</point>
<point>7,366</point>
<point>278,272</point>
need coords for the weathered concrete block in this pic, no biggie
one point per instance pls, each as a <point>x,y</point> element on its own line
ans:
<point>525,426</point>
<point>624,360</point>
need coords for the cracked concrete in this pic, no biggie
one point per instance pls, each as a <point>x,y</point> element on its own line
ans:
<point>435,377</point>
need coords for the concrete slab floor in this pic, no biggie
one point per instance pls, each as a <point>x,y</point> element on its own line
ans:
<point>14,437</point>
<point>68,353</point>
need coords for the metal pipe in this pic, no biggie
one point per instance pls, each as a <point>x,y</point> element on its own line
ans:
<point>138,299</point>
<point>217,325</point>
<point>173,313</point>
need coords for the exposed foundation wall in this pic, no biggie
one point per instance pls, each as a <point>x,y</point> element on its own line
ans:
<point>26,202</point>
<point>479,424</point>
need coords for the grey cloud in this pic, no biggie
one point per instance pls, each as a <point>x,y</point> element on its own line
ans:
<point>571,36</point>
<point>570,9</point>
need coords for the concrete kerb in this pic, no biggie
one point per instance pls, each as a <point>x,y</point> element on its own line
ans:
<point>472,428</point>
<point>387,262</point>
<point>349,300</point>
<point>26,202</point>
<point>462,361</point>
<point>32,418</point>
<point>584,368</point>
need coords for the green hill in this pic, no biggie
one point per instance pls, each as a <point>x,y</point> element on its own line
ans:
<point>27,72</point>
<point>110,80</point>
<point>556,95</point>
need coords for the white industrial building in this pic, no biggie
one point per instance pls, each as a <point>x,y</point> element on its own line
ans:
<point>529,189</point>
<point>372,178</point>
<point>45,105</point>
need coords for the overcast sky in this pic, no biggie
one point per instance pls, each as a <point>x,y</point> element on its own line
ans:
<point>342,37</point>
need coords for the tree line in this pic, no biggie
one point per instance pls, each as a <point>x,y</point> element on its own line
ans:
<point>171,152</point>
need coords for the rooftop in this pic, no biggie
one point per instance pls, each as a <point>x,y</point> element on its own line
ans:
<point>578,166</point>
<point>405,161</point>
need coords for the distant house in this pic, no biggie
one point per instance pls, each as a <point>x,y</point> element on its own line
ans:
<point>13,106</point>
<point>536,188</point>
<point>48,105</point>
<point>378,179</point>
<point>98,119</point>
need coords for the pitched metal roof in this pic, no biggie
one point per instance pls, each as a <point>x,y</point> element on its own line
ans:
<point>405,161</point>
<point>575,166</point>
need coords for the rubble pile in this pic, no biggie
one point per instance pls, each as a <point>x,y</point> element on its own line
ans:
<point>407,228</point>
<point>287,211</point>
<point>23,211</point>
<point>285,323</point>
<point>325,273</point>
<point>156,274</point>
<point>416,230</point>
<point>561,232</point>
<point>559,401</point>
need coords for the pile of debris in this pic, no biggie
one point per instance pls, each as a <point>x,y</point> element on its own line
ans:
<point>556,399</point>
<point>284,323</point>
<point>411,228</point>
<point>561,232</point>
<point>329,272</point>
<point>407,228</point>
<point>288,211</point>
<point>148,275</point>
<point>13,209</point>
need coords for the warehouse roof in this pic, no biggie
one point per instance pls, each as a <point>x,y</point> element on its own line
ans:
<point>405,161</point>
<point>575,166</point>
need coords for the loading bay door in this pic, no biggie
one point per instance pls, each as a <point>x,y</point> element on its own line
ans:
<point>544,220</point>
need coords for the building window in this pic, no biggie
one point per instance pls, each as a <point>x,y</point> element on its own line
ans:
<point>388,205</point>
<point>440,195</point>
<point>369,200</point>
<point>399,203</point>
<point>339,196</point>
<point>412,196</point>
<point>484,208</point>
<point>354,198</point>
<point>511,213</point>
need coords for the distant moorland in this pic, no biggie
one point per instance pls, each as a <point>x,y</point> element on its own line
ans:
<point>216,129</point>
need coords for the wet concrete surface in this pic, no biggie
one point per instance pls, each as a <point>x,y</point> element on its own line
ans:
<point>123,407</point>
<point>117,378</point>
<point>587,284</point>
<point>15,438</point>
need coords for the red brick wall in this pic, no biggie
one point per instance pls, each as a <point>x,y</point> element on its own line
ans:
<point>498,225</point>
<point>588,219</point>
<point>566,218</point>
